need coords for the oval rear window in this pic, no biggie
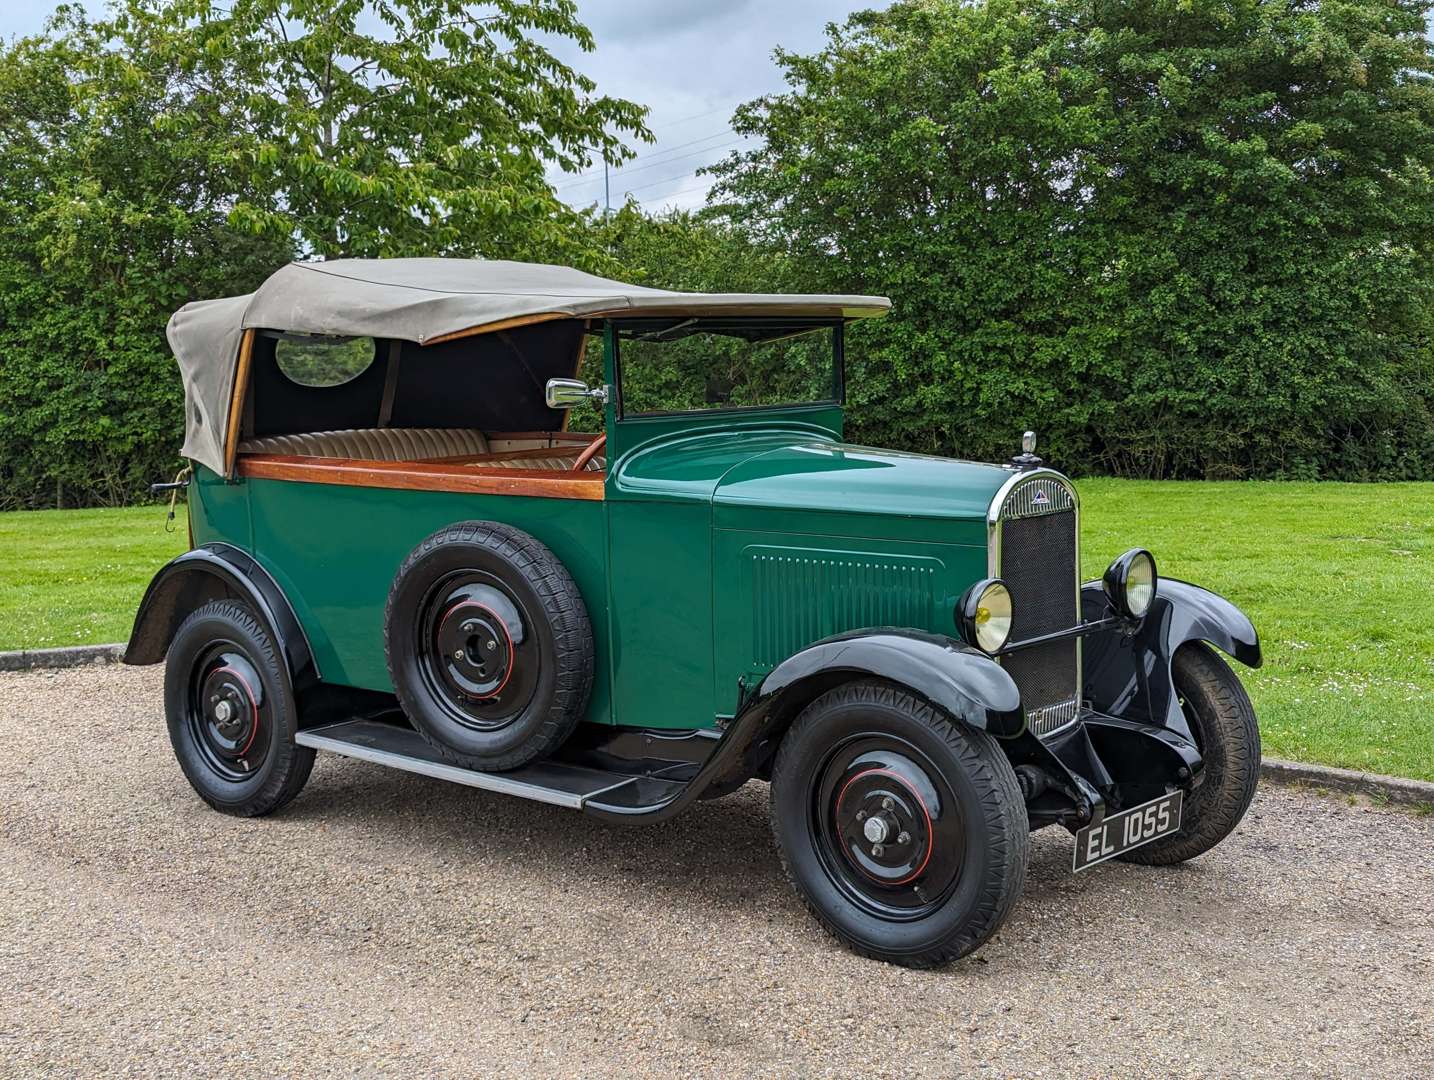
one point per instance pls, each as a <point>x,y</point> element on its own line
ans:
<point>323,361</point>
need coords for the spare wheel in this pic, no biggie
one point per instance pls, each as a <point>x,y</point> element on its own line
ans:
<point>489,645</point>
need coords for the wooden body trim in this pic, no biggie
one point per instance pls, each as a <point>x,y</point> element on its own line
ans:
<point>591,452</point>
<point>424,476</point>
<point>236,400</point>
<point>543,452</point>
<point>580,437</point>
<point>494,327</point>
<point>435,476</point>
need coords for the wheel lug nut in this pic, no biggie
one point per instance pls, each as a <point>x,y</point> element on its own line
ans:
<point>458,655</point>
<point>887,804</point>
<point>878,850</point>
<point>492,645</point>
<point>861,815</point>
<point>904,838</point>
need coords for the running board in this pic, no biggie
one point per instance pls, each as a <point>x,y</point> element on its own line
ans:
<point>558,783</point>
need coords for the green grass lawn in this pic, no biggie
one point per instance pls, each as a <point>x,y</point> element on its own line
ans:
<point>1338,578</point>
<point>75,577</point>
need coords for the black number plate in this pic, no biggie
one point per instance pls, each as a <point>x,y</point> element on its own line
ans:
<point>1128,829</point>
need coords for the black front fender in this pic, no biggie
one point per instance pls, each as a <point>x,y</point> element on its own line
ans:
<point>965,683</point>
<point>1128,674</point>
<point>216,572</point>
<point>968,685</point>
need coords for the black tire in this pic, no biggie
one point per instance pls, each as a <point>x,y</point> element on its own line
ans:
<point>489,646</point>
<point>1223,722</point>
<point>869,750</point>
<point>231,712</point>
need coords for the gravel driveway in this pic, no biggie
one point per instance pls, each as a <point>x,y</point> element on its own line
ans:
<point>391,924</point>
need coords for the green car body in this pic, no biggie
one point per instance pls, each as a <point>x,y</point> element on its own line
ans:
<point>754,597</point>
<point>718,551</point>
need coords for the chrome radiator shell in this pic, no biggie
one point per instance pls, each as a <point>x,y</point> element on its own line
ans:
<point>1035,548</point>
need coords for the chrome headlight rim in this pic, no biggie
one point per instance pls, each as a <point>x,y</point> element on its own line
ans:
<point>1131,583</point>
<point>984,615</point>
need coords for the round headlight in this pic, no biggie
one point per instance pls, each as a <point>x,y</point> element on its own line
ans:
<point>984,615</point>
<point>1130,583</point>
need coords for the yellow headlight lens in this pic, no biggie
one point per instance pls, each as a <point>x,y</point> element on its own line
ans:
<point>1140,584</point>
<point>993,618</point>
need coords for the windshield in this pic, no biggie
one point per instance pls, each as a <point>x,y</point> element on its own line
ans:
<point>676,365</point>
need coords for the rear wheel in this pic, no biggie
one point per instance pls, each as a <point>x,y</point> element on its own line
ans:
<point>1223,723</point>
<point>904,832</point>
<point>231,712</point>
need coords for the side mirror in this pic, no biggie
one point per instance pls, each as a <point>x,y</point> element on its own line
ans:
<point>565,393</point>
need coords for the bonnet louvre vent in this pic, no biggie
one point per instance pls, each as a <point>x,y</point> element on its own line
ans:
<point>803,595</point>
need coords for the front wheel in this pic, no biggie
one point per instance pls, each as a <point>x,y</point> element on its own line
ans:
<point>1223,722</point>
<point>904,833</point>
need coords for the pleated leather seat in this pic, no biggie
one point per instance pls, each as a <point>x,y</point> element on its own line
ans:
<point>558,464</point>
<point>407,444</point>
<point>375,444</point>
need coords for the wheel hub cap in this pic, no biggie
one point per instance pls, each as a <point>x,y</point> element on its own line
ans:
<point>892,834</point>
<point>479,655</point>
<point>876,805</point>
<point>877,828</point>
<point>228,711</point>
<point>477,649</point>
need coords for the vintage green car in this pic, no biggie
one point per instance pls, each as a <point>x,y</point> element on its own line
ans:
<point>401,553</point>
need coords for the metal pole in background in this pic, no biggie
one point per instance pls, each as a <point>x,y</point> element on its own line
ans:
<point>606,192</point>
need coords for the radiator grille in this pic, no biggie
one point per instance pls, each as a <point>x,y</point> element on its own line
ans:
<point>1037,561</point>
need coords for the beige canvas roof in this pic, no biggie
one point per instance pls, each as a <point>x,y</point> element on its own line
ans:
<point>422,300</point>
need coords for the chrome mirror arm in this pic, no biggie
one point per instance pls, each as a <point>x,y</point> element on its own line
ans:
<point>565,393</point>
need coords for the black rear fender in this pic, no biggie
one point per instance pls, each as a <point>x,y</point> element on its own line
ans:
<point>217,572</point>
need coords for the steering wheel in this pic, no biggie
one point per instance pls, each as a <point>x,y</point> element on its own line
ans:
<point>589,452</point>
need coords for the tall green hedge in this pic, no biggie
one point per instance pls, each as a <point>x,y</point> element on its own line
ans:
<point>107,225</point>
<point>1182,238</point>
<point>1178,237</point>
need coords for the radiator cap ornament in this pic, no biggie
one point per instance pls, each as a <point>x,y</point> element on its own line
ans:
<point>1027,459</point>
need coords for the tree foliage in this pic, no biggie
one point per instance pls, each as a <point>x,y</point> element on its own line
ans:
<point>1180,237</point>
<point>107,225</point>
<point>184,150</point>
<point>388,127</point>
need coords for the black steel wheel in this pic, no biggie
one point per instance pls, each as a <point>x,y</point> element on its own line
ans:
<point>1223,723</point>
<point>904,832</point>
<point>489,645</point>
<point>478,653</point>
<point>231,712</point>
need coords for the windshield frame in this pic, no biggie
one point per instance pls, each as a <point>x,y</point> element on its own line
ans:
<point>836,325</point>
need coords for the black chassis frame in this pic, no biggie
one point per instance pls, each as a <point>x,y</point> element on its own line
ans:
<point>1130,742</point>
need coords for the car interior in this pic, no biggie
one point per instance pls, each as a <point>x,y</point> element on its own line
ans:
<point>475,401</point>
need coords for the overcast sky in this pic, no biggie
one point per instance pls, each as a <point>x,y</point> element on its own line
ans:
<point>690,61</point>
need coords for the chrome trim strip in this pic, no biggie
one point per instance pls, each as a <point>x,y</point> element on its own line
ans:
<point>993,567</point>
<point>1053,718</point>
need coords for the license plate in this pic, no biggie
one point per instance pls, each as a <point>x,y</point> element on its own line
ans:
<point>1128,829</point>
